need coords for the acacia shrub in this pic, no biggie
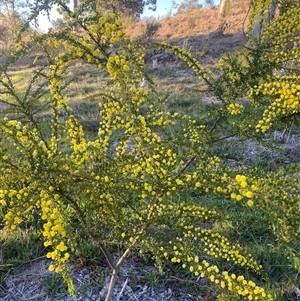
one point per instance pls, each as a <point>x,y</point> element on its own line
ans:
<point>130,180</point>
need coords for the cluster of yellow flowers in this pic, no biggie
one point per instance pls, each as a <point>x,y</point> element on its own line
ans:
<point>283,37</point>
<point>12,218</point>
<point>235,108</point>
<point>192,62</point>
<point>244,287</point>
<point>282,213</point>
<point>218,246</point>
<point>237,284</point>
<point>279,96</point>
<point>55,87</point>
<point>29,142</point>
<point>117,64</point>
<point>245,190</point>
<point>78,142</point>
<point>286,92</point>
<point>20,136</point>
<point>54,230</point>
<point>258,11</point>
<point>108,27</point>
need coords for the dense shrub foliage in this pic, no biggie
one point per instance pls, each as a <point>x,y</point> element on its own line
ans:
<point>134,184</point>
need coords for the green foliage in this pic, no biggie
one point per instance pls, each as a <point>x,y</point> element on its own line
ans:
<point>150,30</point>
<point>146,181</point>
<point>54,284</point>
<point>132,8</point>
<point>13,17</point>
<point>264,11</point>
<point>19,247</point>
<point>188,5</point>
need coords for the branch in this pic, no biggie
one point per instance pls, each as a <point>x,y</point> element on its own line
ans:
<point>224,137</point>
<point>94,239</point>
<point>11,165</point>
<point>184,167</point>
<point>215,124</point>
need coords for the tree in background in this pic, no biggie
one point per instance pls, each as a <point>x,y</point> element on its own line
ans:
<point>133,8</point>
<point>263,11</point>
<point>187,5</point>
<point>224,8</point>
<point>13,16</point>
<point>58,23</point>
<point>209,3</point>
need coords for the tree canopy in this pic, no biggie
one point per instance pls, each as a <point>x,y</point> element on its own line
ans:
<point>132,8</point>
<point>13,16</point>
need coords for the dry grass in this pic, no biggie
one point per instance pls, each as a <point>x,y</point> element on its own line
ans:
<point>195,23</point>
<point>197,27</point>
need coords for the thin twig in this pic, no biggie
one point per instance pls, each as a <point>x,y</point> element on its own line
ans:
<point>12,165</point>
<point>215,124</point>
<point>185,166</point>
<point>244,21</point>
<point>224,137</point>
<point>80,216</point>
<point>122,290</point>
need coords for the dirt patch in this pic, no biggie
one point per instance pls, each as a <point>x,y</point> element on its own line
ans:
<point>30,284</point>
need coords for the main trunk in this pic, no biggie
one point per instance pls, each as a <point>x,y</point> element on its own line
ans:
<point>268,15</point>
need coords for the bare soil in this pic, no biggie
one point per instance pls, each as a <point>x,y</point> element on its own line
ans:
<point>33,282</point>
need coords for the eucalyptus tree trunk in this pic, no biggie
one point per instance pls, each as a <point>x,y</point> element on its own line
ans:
<point>261,20</point>
<point>75,4</point>
<point>224,8</point>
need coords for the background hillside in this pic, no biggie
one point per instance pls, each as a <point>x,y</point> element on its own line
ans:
<point>200,29</point>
